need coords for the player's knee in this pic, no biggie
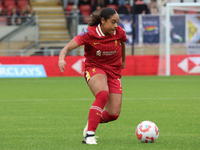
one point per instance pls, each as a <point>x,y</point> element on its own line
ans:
<point>115,112</point>
<point>118,112</point>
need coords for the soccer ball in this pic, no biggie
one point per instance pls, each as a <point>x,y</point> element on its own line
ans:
<point>147,132</point>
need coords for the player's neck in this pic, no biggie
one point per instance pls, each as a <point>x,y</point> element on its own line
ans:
<point>102,29</point>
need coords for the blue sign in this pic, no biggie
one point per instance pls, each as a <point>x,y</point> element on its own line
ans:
<point>177,29</point>
<point>22,71</point>
<point>150,29</point>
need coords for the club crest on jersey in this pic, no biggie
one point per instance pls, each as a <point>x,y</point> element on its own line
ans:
<point>84,32</point>
<point>93,70</point>
<point>115,42</point>
<point>98,53</point>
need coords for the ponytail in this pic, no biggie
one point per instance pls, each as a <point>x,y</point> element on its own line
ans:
<point>104,13</point>
<point>95,19</point>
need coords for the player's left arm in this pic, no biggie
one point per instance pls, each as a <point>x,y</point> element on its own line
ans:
<point>123,54</point>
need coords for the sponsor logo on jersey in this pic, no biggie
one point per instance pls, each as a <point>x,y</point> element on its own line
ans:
<point>94,70</point>
<point>98,53</point>
<point>109,53</point>
<point>106,53</point>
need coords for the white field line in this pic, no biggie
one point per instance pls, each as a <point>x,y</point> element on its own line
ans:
<point>87,99</point>
<point>133,81</point>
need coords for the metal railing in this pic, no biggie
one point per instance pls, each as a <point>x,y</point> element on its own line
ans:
<point>19,28</point>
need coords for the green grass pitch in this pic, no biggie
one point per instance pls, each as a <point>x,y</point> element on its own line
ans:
<point>50,114</point>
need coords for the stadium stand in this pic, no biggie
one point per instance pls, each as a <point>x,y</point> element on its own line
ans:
<point>52,28</point>
<point>9,4</point>
<point>53,31</point>
<point>21,4</point>
<point>188,10</point>
<point>85,11</point>
<point>179,12</point>
<point>192,10</point>
<point>68,9</point>
<point>128,7</point>
<point>114,6</point>
<point>123,10</point>
<point>1,9</point>
<point>3,21</point>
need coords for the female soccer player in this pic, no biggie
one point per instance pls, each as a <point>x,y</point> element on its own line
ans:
<point>104,50</point>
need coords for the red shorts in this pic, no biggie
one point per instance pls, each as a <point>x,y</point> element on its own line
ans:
<point>114,84</point>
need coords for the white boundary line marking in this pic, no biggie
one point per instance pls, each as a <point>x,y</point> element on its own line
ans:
<point>87,99</point>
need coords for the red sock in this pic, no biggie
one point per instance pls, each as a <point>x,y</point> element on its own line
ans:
<point>96,109</point>
<point>106,117</point>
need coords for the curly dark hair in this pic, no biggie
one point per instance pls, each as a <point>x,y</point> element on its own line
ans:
<point>104,13</point>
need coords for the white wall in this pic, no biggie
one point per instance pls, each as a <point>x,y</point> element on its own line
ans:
<point>27,34</point>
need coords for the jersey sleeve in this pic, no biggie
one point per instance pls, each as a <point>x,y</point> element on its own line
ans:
<point>123,37</point>
<point>83,38</point>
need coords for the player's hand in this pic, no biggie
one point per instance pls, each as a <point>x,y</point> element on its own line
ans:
<point>123,65</point>
<point>61,65</point>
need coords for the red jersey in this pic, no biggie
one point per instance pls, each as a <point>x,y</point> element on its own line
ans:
<point>103,51</point>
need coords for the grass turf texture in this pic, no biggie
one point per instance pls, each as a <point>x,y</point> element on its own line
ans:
<point>50,113</point>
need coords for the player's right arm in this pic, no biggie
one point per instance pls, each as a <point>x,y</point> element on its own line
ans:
<point>68,48</point>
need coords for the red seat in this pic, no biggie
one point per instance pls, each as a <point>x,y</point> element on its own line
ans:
<point>68,8</point>
<point>22,7</point>
<point>128,7</point>
<point>9,3</point>
<point>1,9</point>
<point>112,6</point>
<point>85,9</point>
<point>191,12</point>
<point>179,12</point>
<point>22,3</point>
<point>9,9</point>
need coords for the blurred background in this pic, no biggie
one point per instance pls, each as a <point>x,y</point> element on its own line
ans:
<point>31,29</point>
